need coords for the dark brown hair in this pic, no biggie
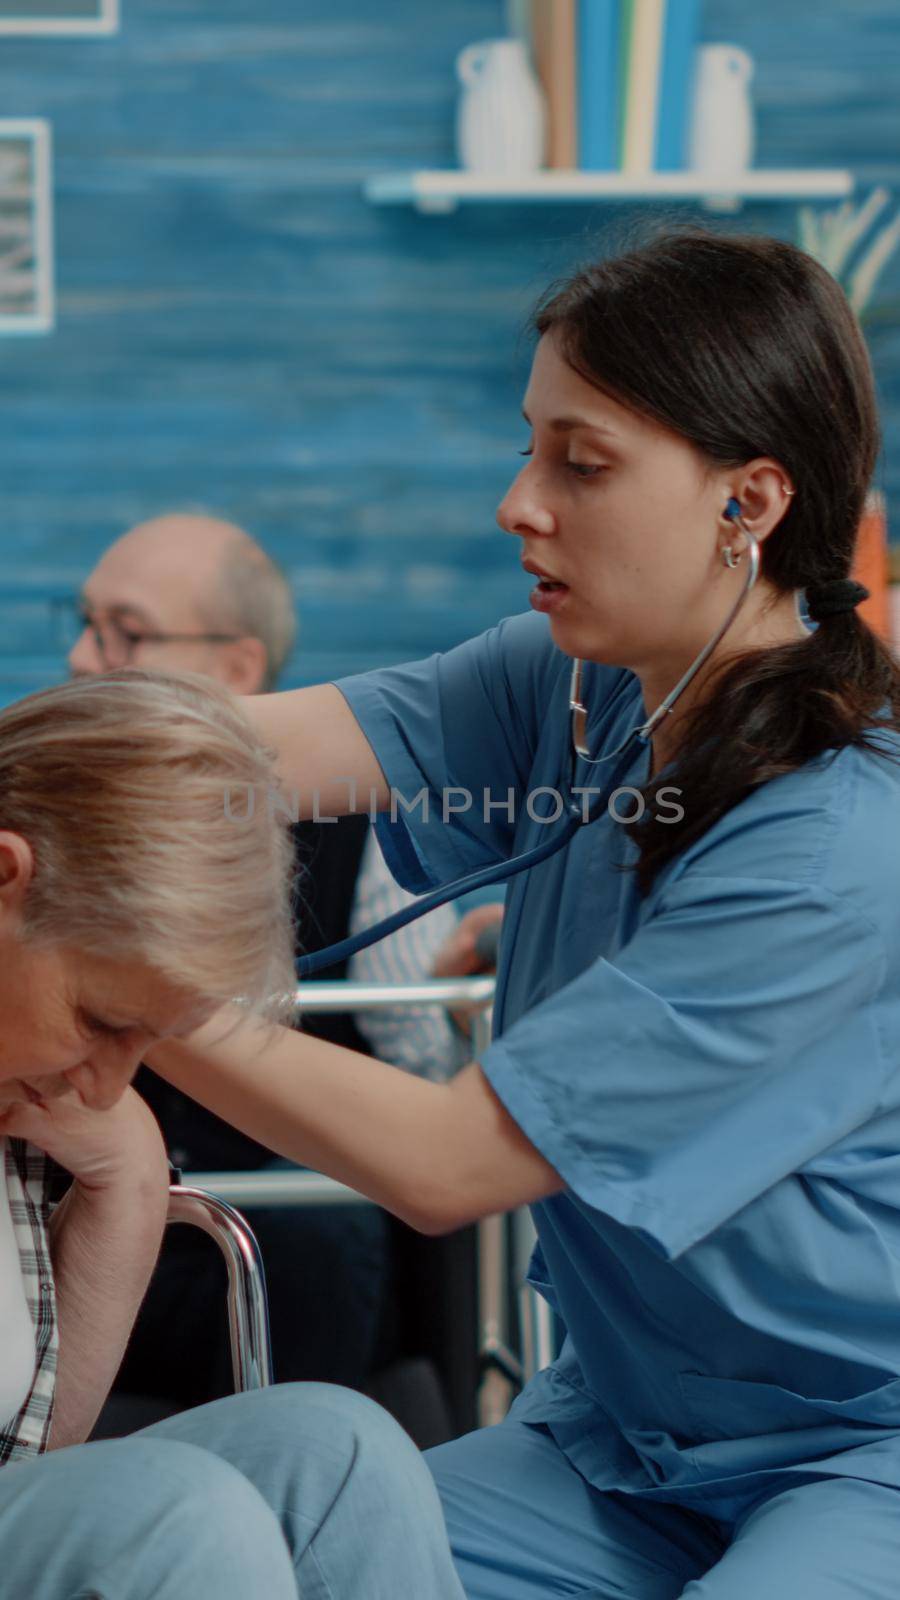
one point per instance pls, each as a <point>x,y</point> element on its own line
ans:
<point>746,347</point>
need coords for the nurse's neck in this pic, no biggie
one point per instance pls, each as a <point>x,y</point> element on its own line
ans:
<point>769,626</point>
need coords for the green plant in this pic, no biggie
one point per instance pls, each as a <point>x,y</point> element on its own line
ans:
<point>843,240</point>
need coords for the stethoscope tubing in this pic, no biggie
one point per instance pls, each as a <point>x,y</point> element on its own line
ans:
<point>318,961</point>
<point>307,966</point>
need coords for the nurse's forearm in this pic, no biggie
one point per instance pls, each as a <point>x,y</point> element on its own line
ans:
<point>322,751</point>
<point>438,1155</point>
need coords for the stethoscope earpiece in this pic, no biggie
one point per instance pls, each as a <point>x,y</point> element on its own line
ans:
<point>732,513</point>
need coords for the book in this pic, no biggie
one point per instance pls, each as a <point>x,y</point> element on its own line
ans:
<point>598,25</point>
<point>681,32</point>
<point>642,34</point>
<point>553,39</point>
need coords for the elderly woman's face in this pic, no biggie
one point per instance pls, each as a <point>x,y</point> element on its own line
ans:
<point>70,1020</point>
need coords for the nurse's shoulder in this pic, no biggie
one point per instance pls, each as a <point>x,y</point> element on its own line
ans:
<point>833,825</point>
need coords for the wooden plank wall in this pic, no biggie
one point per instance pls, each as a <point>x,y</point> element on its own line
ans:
<point>239,330</point>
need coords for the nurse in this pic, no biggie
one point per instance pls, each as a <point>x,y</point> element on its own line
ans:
<point>694,1079</point>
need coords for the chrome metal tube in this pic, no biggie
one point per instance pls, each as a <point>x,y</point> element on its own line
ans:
<point>248,1315</point>
<point>314,997</point>
<point>538,1335</point>
<point>280,1189</point>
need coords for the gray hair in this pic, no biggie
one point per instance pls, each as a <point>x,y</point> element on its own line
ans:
<point>254,598</point>
<point>120,784</point>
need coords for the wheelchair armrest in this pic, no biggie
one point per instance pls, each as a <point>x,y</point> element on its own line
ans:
<point>248,1310</point>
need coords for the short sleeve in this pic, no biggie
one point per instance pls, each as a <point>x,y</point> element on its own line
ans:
<point>730,1041</point>
<point>450,728</point>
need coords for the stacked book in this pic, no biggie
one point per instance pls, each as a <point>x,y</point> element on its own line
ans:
<point>618,78</point>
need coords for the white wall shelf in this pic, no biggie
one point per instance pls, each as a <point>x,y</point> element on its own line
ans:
<point>83,18</point>
<point>445,189</point>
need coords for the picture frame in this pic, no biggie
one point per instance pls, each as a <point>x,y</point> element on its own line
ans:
<point>26,227</point>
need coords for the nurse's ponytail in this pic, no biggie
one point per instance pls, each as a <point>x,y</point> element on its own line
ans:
<point>768,713</point>
<point>747,347</point>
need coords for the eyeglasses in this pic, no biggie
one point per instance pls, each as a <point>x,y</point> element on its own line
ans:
<point>116,644</point>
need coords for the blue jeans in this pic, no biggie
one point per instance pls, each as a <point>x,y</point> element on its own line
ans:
<point>299,1490</point>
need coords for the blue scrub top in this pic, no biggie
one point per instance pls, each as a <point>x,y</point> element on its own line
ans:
<point>712,1069</point>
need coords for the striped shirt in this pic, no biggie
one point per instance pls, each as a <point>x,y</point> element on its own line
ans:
<point>420,1039</point>
<point>28,1183</point>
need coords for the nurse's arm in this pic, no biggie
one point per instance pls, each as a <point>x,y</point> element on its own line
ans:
<point>438,1155</point>
<point>321,749</point>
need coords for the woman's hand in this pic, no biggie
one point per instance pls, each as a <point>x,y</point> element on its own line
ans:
<point>101,1149</point>
<point>104,1238</point>
<point>460,957</point>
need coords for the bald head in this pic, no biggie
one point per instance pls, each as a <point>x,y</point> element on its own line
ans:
<point>195,575</point>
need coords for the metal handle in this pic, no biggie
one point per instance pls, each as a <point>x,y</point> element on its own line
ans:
<point>337,995</point>
<point>248,1312</point>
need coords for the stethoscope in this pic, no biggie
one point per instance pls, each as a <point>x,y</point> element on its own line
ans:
<point>577,815</point>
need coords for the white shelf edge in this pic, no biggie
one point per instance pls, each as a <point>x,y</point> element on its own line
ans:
<point>445,189</point>
<point>106,21</point>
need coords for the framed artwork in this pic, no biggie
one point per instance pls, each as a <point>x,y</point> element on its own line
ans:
<point>59,17</point>
<point>26,227</point>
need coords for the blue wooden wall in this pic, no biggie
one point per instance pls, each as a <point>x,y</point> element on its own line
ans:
<point>239,330</point>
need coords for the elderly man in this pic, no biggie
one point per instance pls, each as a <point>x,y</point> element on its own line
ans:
<point>190,592</point>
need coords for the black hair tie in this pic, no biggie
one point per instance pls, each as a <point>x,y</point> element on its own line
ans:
<point>832,599</point>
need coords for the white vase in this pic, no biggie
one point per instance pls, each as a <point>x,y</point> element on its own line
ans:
<point>501,118</point>
<point>722,137</point>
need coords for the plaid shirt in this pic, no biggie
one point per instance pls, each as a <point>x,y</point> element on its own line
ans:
<point>28,1180</point>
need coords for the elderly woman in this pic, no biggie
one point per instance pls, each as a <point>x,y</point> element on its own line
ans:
<point>132,904</point>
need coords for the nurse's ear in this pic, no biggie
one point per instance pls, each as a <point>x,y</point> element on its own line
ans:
<point>764,492</point>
